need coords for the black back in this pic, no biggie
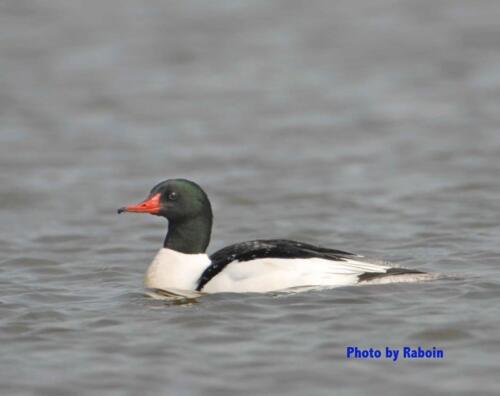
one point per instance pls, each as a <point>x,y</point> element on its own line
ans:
<point>272,248</point>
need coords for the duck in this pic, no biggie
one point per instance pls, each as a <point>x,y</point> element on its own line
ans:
<point>182,266</point>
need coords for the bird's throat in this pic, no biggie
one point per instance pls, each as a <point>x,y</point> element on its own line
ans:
<point>190,236</point>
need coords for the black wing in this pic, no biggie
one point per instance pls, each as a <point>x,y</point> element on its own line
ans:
<point>368,276</point>
<point>272,248</point>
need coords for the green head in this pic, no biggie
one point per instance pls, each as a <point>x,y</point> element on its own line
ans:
<point>188,211</point>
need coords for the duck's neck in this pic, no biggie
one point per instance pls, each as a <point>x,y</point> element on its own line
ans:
<point>190,236</point>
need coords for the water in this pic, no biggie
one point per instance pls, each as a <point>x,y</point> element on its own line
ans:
<point>369,126</point>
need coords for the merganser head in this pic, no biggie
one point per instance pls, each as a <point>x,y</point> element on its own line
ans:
<point>175,199</point>
<point>187,208</point>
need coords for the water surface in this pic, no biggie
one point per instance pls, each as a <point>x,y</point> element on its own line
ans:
<point>369,126</point>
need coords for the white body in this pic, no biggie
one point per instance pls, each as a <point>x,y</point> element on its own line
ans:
<point>179,273</point>
<point>270,274</point>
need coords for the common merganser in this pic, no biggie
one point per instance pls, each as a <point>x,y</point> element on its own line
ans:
<point>182,267</point>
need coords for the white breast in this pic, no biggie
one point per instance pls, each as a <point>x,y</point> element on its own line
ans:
<point>175,271</point>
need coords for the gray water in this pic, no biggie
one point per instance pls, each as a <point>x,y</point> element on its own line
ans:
<point>369,126</point>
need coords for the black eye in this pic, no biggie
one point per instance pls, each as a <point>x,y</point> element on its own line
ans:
<point>172,196</point>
